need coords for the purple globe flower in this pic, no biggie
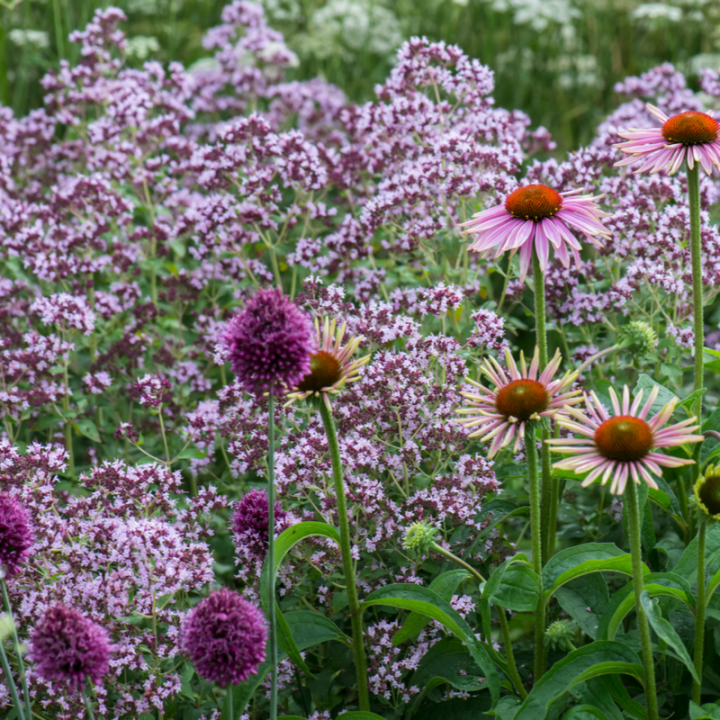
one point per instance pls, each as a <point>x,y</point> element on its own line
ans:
<point>268,344</point>
<point>249,520</point>
<point>16,537</point>
<point>224,637</point>
<point>68,648</point>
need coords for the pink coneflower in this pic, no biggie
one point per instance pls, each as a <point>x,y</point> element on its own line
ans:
<point>691,136</point>
<point>519,396</point>
<point>537,216</point>
<point>619,445</point>
<point>331,366</point>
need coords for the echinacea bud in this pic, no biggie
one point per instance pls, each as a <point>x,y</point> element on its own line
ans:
<point>419,537</point>
<point>224,637</point>
<point>638,337</point>
<point>15,536</point>
<point>6,626</point>
<point>707,493</point>
<point>560,634</point>
<point>68,648</point>
<point>269,343</point>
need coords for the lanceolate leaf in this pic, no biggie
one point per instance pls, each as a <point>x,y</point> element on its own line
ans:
<point>666,632</point>
<point>423,600</point>
<point>445,586</point>
<point>287,540</point>
<point>594,660</point>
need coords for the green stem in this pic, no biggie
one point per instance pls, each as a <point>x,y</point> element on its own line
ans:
<point>88,706</point>
<point>633,506</point>
<point>21,664</point>
<point>700,618</point>
<point>549,498</point>
<point>459,561</point>
<point>230,701</point>
<point>693,183</point>
<point>11,682</point>
<point>164,437</point>
<point>531,452</point>
<point>354,605</point>
<point>512,667</point>
<point>271,558</point>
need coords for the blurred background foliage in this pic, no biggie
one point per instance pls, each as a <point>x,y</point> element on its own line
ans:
<point>557,60</point>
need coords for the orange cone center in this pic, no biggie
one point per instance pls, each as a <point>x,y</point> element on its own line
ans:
<point>624,438</point>
<point>691,128</point>
<point>533,202</point>
<point>325,371</point>
<point>521,399</point>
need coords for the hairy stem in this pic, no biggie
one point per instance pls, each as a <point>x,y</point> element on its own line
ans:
<point>531,452</point>
<point>700,617</point>
<point>633,506</point>
<point>16,640</point>
<point>271,559</point>
<point>549,493</point>
<point>348,570</point>
<point>512,667</point>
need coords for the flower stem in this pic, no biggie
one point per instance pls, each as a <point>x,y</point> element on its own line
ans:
<point>700,617</point>
<point>549,492</point>
<point>11,682</point>
<point>512,667</point>
<point>459,561</point>
<point>271,559</point>
<point>531,452</point>
<point>354,605</point>
<point>230,701</point>
<point>88,706</point>
<point>21,664</point>
<point>633,506</point>
<point>693,183</point>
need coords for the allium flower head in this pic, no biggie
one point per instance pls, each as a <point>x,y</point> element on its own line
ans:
<point>331,366</point>
<point>619,445</point>
<point>268,344</point>
<point>68,648</point>
<point>224,637</point>
<point>692,136</point>
<point>537,216</point>
<point>707,493</point>
<point>16,537</point>
<point>249,520</point>
<point>519,396</point>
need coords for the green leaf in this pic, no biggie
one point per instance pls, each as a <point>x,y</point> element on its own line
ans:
<point>585,600</point>
<point>708,711</point>
<point>518,589</point>
<point>618,692</point>
<point>473,708</point>
<point>593,660</point>
<point>623,601</point>
<point>687,565</point>
<point>88,429</point>
<point>666,632</point>
<point>574,562</point>
<point>191,454</point>
<point>584,712</point>
<point>666,500</point>
<point>445,586</point>
<point>594,693</point>
<point>362,715</point>
<point>423,600</point>
<point>490,588</point>
<point>287,540</point>
<point>286,641</point>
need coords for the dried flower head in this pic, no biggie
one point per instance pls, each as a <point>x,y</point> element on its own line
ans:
<point>707,493</point>
<point>536,216</point>
<point>68,648</point>
<point>331,367</point>
<point>16,537</point>
<point>690,136</point>
<point>518,397</point>
<point>224,637</point>
<point>620,445</point>
<point>269,343</point>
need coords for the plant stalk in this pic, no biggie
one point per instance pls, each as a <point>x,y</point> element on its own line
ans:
<point>11,682</point>
<point>88,706</point>
<point>693,182</point>
<point>16,640</point>
<point>272,622</point>
<point>348,570</point>
<point>631,495</point>
<point>549,490</point>
<point>231,712</point>
<point>535,525</point>
<point>700,617</point>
